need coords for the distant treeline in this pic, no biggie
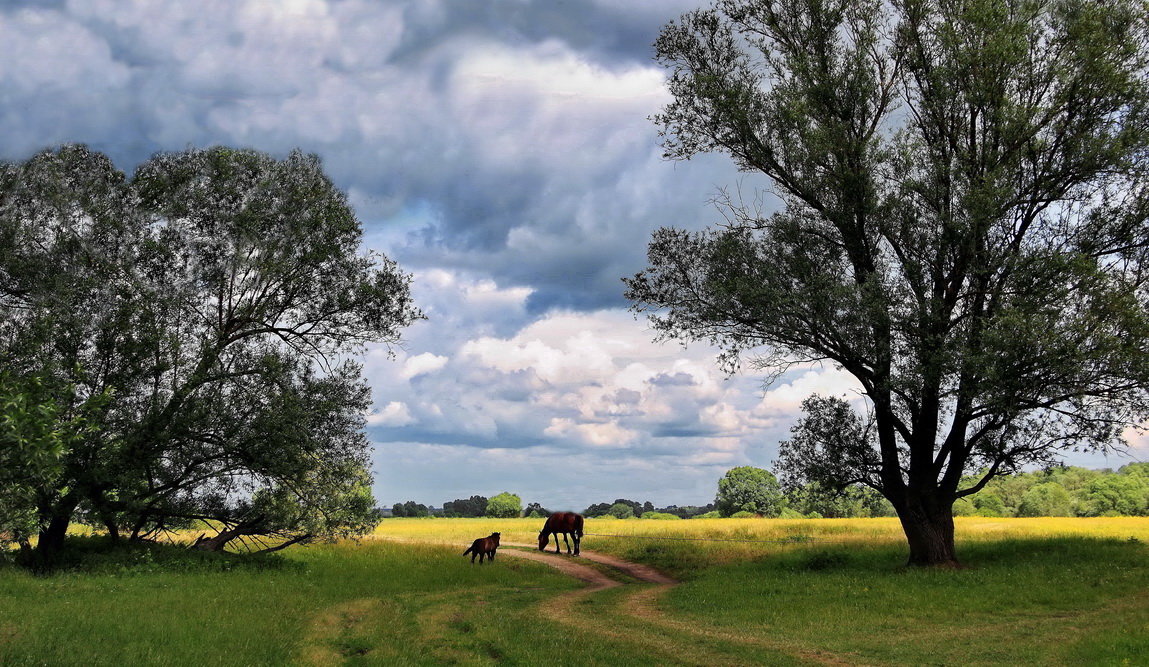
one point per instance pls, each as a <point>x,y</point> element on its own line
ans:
<point>1059,491</point>
<point>1063,491</point>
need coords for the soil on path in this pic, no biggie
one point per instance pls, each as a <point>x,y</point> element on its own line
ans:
<point>637,617</point>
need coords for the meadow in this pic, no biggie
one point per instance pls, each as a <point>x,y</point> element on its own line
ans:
<point>1042,591</point>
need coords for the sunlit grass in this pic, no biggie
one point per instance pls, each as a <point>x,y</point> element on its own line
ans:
<point>707,542</point>
<point>1034,590</point>
<point>1045,591</point>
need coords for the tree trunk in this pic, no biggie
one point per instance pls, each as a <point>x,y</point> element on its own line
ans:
<point>929,527</point>
<point>52,535</point>
<point>220,541</point>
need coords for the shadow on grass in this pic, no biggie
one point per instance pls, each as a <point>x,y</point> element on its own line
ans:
<point>101,555</point>
<point>1007,552</point>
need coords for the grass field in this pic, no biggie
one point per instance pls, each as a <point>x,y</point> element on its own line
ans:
<point>1045,591</point>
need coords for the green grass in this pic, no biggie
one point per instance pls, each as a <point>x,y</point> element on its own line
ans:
<point>1031,591</point>
<point>375,602</point>
<point>1043,601</point>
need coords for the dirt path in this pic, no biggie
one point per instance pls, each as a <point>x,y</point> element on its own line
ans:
<point>637,617</point>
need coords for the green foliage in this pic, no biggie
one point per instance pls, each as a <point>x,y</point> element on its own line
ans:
<point>35,435</point>
<point>621,511</point>
<point>749,489</point>
<point>1117,495</point>
<point>474,506</point>
<point>1045,499</point>
<point>964,507</point>
<point>1065,491</point>
<point>713,514</point>
<point>743,514</point>
<point>660,516</point>
<point>988,503</point>
<point>411,509</point>
<point>506,505</point>
<point>636,508</point>
<point>208,299</point>
<point>962,192</point>
<point>850,502</point>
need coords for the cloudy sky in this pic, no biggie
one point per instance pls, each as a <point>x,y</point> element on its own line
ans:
<point>500,151</point>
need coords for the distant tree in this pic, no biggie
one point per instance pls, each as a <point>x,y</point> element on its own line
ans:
<point>475,506</point>
<point>399,510</point>
<point>646,507</point>
<point>961,192</point>
<point>852,501</point>
<point>536,510</point>
<point>621,511</point>
<point>749,489</point>
<point>1124,495</point>
<point>989,503</point>
<point>506,505</point>
<point>1045,499</point>
<point>602,509</point>
<point>964,507</point>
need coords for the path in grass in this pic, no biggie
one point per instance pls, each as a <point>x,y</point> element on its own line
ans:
<point>621,603</point>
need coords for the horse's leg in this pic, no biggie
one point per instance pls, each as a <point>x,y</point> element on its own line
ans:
<point>566,539</point>
<point>556,542</point>
<point>473,554</point>
<point>577,539</point>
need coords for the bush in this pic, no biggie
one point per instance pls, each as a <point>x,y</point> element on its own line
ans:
<point>713,514</point>
<point>745,515</point>
<point>659,515</point>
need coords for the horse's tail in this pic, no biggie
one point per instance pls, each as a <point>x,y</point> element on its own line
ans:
<point>578,525</point>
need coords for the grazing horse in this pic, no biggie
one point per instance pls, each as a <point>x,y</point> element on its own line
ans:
<point>484,546</point>
<point>565,523</point>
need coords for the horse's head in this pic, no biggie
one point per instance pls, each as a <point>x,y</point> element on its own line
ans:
<point>495,537</point>
<point>544,538</point>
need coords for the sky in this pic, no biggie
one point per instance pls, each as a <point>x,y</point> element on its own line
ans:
<point>501,151</point>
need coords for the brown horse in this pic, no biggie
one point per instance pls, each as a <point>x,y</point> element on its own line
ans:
<point>564,523</point>
<point>484,546</point>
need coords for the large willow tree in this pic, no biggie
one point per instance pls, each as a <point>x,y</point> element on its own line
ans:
<point>190,330</point>
<point>962,227</point>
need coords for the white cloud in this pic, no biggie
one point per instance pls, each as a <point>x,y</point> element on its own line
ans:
<point>394,413</point>
<point>422,363</point>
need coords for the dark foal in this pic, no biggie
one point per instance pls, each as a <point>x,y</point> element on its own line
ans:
<point>484,546</point>
<point>565,523</point>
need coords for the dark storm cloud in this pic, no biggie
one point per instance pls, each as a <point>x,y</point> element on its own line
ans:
<point>519,128</point>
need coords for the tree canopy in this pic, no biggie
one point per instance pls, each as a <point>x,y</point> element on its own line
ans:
<point>957,219</point>
<point>749,489</point>
<point>505,505</point>
<point>213,298</point>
